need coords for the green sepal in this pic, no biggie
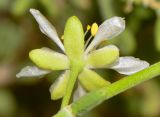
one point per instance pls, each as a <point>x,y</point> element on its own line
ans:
<point>74,38</point>
<point>103,57</point>
<point>90,80</point>
<point>58,88</point>
<point>47,59</point>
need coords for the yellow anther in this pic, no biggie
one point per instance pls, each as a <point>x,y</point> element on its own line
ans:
<point>88,27</point>
<point>94,29</point>
<point>62,37</point>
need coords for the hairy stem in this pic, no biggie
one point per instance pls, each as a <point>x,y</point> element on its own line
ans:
<point>94,98</point>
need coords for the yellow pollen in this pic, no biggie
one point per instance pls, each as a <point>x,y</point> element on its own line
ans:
<point>62,37</point>
<point>88,27</point>
<point>94,29</point>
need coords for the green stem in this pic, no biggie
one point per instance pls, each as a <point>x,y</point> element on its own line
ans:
<point>75,69</point>
<point>94,98</point>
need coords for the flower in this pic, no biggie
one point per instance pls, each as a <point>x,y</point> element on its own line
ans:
<point>92,57</point>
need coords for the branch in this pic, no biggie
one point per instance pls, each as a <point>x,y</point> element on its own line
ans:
<point>95,98</point>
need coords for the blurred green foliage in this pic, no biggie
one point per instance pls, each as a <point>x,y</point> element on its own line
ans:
<point>11,37</point>
<point>19,34</point>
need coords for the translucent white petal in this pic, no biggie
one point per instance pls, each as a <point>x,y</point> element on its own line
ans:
<point>129,65</point>
<point>46,27</point>
<point>79,92</point>
<point>32,71</point>
<point>107,30</point>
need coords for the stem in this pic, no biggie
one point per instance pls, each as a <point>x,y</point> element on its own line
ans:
<point>94,98</point>
<point>75,69</point>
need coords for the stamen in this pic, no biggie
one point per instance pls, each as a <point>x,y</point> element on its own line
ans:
<point>88,40</point>
<point>62,37</point>
<point>88,28</point>
<point>94,29</point>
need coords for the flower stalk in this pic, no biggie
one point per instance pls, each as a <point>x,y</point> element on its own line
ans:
<point>76,67</point>
<point>94,98</point>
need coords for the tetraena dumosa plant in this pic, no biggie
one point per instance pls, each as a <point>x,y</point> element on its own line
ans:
<point>78,59</point>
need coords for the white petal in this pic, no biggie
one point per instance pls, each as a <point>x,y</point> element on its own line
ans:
<point>46,27</point>
<point>107,30</point>
<point>31,71</point>
<point>129,65</point>
<point>79,92</point>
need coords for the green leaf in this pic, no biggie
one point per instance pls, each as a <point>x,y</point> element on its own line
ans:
<point>74,38</point>
<point>48,59</point>
<point>90,80</point>
<point>102,57</point>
